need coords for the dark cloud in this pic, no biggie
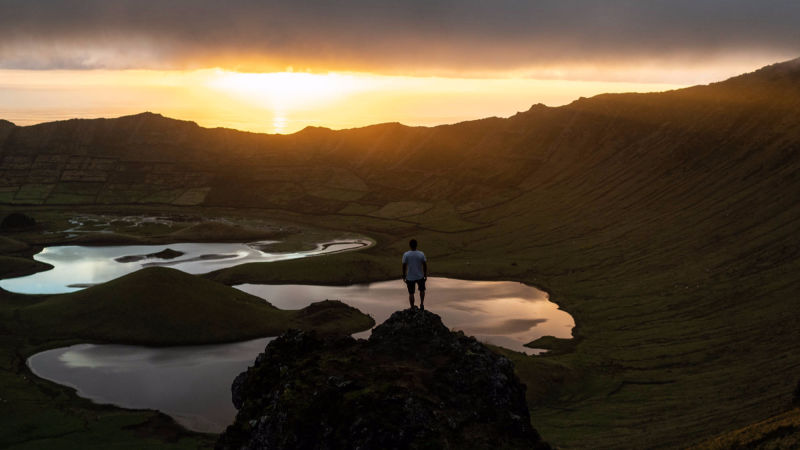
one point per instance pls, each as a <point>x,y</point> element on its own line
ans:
<point>388,35</point>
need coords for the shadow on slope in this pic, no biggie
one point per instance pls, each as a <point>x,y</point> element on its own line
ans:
<point>162,306</point>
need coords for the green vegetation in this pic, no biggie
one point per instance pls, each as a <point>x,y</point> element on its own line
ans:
<point>154,306</point>
<point>163,306</point>
<point>11,266</point>
<point>38,414</point>
<point>9,245</point>
<point>665,224</point>
<point>781,431</point>
<point>553,345</point>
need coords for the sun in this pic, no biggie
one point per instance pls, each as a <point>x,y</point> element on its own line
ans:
<point>288,91</point>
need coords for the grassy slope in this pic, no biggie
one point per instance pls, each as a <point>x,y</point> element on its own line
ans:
<point>163,306</point>
<point>781,431</point>
<point>156,305</point>
<point>681,275</point>
<point>665,223</point>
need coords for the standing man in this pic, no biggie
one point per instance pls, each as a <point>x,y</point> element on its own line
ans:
<point>415,272</point>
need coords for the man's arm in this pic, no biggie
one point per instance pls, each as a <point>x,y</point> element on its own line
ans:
<point>424,269</point>
<point>405,268</point>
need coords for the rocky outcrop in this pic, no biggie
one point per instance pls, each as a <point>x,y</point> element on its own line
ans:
<point>413,384</point>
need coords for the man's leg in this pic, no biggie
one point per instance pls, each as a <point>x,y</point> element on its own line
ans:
<point>411,301</point>
<point>410,286</point>
<point>421,294</point>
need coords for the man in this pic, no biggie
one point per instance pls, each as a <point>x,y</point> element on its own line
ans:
<point>415,273</point>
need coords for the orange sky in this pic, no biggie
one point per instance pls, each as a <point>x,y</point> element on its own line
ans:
<point>284,102</point>
<point>281,65</point>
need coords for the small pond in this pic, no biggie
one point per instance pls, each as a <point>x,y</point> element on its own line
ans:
<point>502,313</point>
<point>192,384</point>
<point>77,266</point>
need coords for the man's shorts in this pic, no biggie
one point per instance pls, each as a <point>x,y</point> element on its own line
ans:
<point>410,284</point>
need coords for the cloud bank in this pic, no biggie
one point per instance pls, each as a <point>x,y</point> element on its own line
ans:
<point>391,36</point>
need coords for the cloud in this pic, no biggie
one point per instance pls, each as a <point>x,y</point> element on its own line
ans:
<point>392,36</point>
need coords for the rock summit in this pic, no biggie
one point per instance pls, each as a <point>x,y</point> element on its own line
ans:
<point>413,385</point>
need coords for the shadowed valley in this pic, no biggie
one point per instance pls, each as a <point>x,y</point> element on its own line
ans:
<point>665,224</point>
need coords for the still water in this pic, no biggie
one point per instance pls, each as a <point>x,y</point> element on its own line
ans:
<point>192,384</point>
<point>502,313</point>
<point>77,266</point>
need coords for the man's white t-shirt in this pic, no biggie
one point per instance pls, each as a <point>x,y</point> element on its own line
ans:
<point>414,259</point>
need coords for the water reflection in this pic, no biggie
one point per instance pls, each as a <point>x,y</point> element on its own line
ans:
<point>191,384</point>
<point>503,313</point>
<point>76,267</point>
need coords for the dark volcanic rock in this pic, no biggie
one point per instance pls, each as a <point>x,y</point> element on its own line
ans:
<point>17,221</point>
<point>413,384</point>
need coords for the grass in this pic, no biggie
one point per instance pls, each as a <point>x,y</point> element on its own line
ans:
<point>665,224</point>
<point>154,306</point>
<point>163,306</point>
<point>37,414</point>
<point>670,349</point>
<point>781,431</point>
<point>11,266</point>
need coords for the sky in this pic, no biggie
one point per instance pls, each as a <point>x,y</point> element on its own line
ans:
<point>277,66</point>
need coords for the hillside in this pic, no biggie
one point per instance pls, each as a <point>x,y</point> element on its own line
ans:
<point>665,223</point>
<point>458,169</point>
<point>163,306</point>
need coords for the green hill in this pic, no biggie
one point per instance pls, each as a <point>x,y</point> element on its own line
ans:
<point>154,306</point>
<point>665,223</point>
<point>162,306</point>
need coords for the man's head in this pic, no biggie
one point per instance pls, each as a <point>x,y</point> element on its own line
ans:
<point>413,244</point>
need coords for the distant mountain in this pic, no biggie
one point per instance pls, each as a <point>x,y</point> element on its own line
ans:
<point>665,223</point>
<point>147,158</point>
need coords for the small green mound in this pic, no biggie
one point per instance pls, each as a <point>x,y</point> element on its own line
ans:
<point>8,245</point>
<point>17,221</point>
<point>553,344</point>
<point>163,306</point>
<point>11,266</point>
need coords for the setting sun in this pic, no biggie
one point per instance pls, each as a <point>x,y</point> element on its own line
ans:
<point>283,91</point>
<point>381,224</point>
<point>285,102</point>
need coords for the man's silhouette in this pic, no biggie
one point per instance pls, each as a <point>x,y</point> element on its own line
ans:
<point>415,272</point>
